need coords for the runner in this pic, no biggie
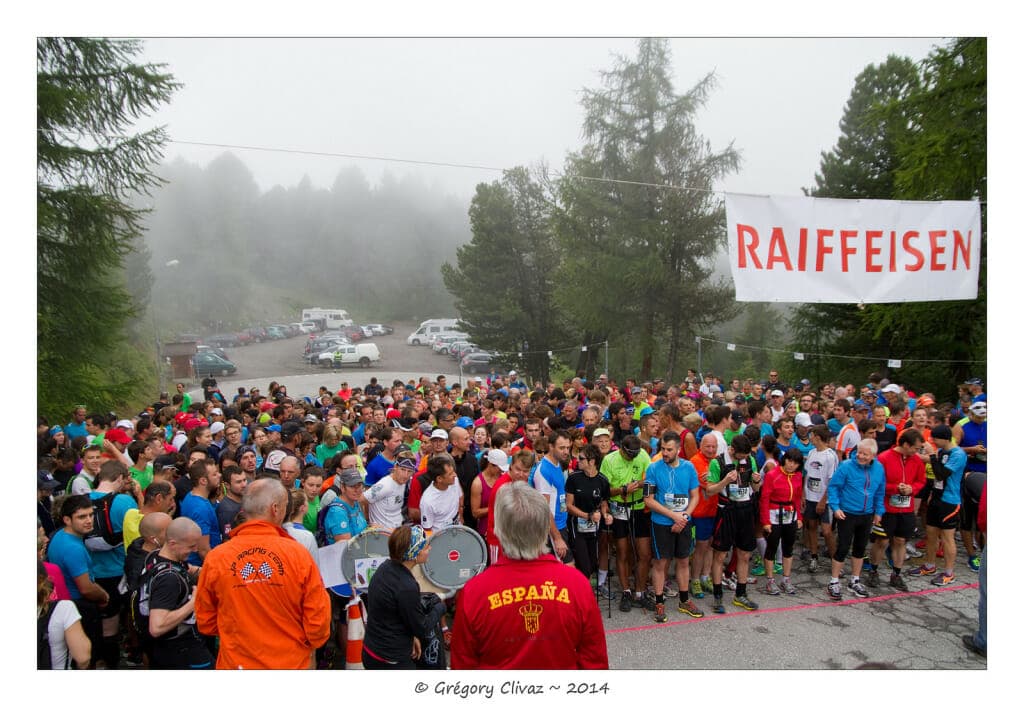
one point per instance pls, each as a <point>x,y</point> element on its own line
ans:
<point>820,465</point>
<point>904,477</point>
<point>948,464</point>
<point>781,517</point>
<point>856,496</point>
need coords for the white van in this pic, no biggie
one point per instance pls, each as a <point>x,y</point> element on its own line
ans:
<point>429,329</point>
<point>359,354</point>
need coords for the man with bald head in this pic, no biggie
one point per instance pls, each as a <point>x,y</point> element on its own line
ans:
<point>467,468</point>
<point>176,644</point>
<point>261,593</point>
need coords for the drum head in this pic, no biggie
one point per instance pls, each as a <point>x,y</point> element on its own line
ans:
<point>457,554</point>
<point>362,555</point>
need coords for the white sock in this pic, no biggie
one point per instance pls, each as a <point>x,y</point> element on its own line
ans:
<point>602,576</point>
<point>762,544</point>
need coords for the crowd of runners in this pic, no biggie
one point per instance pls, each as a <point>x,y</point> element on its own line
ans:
<point>656,490</point>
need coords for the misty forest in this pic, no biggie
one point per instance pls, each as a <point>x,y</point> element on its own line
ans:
<point>621,244</point>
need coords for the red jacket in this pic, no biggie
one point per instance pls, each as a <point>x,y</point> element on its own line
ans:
<point>901,470</point>
<point>782,490</point>
<point>262,594</point>
<point>529,615</point>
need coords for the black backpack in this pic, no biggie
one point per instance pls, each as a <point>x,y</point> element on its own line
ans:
<point>139,600</point>
<point>102,537</point>
<point>43,639</point>
<point>321,516</point>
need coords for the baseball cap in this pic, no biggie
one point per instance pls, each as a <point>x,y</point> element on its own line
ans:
<point>426,428</point>
<point>465,423</point>
<point>439,433</point>
<point>601,432</point>
<point>55,430</point>
<point>925,400</point>
<point>217,411</point>
<point>405,423</point>
<point>350,477</point>
<point>125,424</point>
<point>512,373</point>
<point>118,435</point>
<point>217,427</point>
<point>393,414</point>
<point>737,415</point>
<point>311,418</point>
<point>776,392</point>
<point>942,432</point>
<point>45,481</point>
<point>274,428</point>
<point>979,408</point>
<point>802,420</point>
<point>973,381</point>
<point>498,458</point>
<point>181,418</point>
<point>891,388</point>
<point>290,429</point>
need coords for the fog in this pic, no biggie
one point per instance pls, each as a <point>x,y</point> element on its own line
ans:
<point>310,186</point>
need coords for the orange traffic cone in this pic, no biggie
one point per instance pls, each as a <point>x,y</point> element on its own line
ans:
<point>356,631</point>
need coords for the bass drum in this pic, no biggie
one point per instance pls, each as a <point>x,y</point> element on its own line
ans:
<point>457,554</point>
<point>361,557</point>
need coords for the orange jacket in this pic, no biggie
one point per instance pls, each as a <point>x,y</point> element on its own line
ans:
<point>262,594</point>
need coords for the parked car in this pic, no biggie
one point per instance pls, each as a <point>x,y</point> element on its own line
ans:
<point>481,362</point>
<point>379,329</point>
<point>245,337</point>
<point>443,342</point>
<point>360,354</point>
<point>225,341</point>
<point>458,349</point>
<point>314,347</point>
<point>354,333</point>
<point>294,328</point>
<point>277,331</point>
<point>257,333</point>
<point>213,349</point>
<point>308,327</point>
<point>207,363</point>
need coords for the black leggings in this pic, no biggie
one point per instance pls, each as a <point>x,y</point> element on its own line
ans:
<point>584,550</point>
<point>855,528</point>
<point>785,533</point>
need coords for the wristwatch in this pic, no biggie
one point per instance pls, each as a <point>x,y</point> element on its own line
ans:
<point>687,516</point>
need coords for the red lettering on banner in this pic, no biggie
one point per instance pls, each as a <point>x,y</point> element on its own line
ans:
<point>918,255</point>
<point>823,233</point>
<point>802,259</point>
<point>961,248</point>
<point>741,230</point>
<point>777,251</point>
<point>892,251</point>
<point>846,249</point>
<point>934,237</point>
<point>870,251</point>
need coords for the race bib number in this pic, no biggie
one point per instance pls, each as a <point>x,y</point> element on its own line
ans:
<point>739,493</point>
<point>561,503</point>
<point>899,501</point>
<point>585,525</point>
<point>676,503</point>
<point>813,484</point>
<point>781,516</point>
<point>619,511</point>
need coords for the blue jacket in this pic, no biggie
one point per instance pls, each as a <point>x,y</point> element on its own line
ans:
<point>857,489</point>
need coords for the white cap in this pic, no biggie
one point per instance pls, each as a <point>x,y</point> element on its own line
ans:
<point>217,411</point>
<point>126,424</point>
<point>601,431</point>
<point>802,420</point>
<point>891,388</point>
<point>217,427</point>
<point>498,458</point>
<point>776,392</point>
<point>439,433</point>
<point>511,373</point>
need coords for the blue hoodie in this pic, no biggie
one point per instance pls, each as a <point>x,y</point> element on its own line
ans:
<point>857,489</point>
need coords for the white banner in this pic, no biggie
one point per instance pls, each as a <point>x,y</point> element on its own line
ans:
<point>802,249</point>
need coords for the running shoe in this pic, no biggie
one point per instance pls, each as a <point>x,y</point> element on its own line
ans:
<point>644,601</point>
<point>604,591</point>
<point>943,578</point>
<point>729,581</point>
<point>921,544</point>
<point>670,588</point>
<point>813,566</point>
<point>805,555</point>
<point>938,551</point>
<point>777,567</point>
<point>835,591</point>
<point>872,578</point>
<point>757,566</point>
<point>659,614</point>
<point>974,562</point>
<point>924,570</point>
<point>690,609</point>
<point>868,567</point>
<point>771,588</point>
<point>696,589</point>
<point>913,552</point>
<point>625,603</point>
<point>707,585</point>
<point>717,606</point>
<point>858,589</point>
<point>897,581</point>
<point>787,586</point>
<point>888,555</point>
<point>744,602</point>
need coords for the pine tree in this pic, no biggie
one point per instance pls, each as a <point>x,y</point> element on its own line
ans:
<point>90,166</point>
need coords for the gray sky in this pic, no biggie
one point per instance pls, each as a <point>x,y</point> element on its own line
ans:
<point>494,102</point>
